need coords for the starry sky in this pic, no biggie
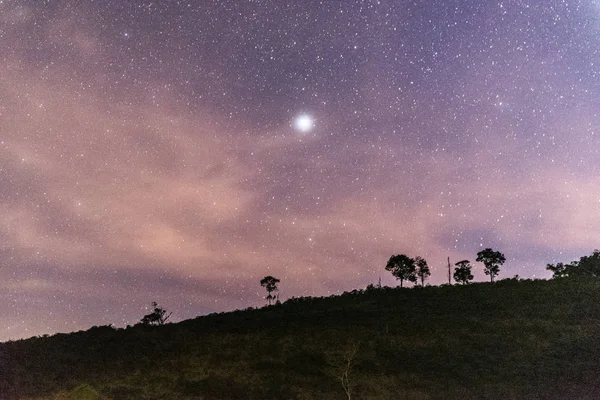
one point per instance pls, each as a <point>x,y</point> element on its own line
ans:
<point>180,151</point>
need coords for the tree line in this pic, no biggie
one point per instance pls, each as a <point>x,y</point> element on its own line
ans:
<point>405,268</point>
<point>416,269</point>
<point>586,267</point>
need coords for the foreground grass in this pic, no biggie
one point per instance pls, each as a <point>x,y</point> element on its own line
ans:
<point>508,340</point>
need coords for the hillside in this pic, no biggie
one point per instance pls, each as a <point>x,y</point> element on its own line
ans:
<point>512,339</point>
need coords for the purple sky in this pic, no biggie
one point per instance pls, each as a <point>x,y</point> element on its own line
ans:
<point>150,151</point>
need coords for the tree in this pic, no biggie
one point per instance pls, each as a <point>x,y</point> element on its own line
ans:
<point>590,265</point>
<point>462,272</point>
<point>492,261</point>
<point>560,270</point>
<point>270,283</point>
<point>422,269</point>
<point>341,364</point>
<point>156,317</point>
<point>587,266</point>
<point>402,267</point>
<point>349,359</point>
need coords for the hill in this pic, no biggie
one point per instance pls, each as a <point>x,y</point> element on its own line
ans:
<point>510,340</point>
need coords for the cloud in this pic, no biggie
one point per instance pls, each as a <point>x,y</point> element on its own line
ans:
<point>86,180</point>
<point>157,166</point>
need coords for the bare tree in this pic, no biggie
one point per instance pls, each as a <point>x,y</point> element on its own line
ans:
<point>158,316</point>
<point>343,361</point>
<point>349,359</point>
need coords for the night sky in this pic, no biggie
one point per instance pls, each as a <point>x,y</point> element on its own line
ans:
<point>178,152</point>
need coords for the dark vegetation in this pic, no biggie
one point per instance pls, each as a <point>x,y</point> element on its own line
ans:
<point>158,316</point>
<point>462,272</point>
<point>586,267</point>
<point>403,268</point>
<point>514,339</point>
<point>270,283</point>
<point>492,261</point>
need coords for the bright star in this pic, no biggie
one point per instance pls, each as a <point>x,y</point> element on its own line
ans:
<point>304,123</point>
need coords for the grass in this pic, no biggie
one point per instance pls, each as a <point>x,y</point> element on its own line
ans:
<point>510,340</point>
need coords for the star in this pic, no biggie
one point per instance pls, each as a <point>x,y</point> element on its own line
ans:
<point>304,123</point>
<point>161,145</point>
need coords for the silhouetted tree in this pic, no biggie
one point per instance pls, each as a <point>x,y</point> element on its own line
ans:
<point>462,272</point>
<point>587,266</point>
<point>492,261</point>
<point>402,267</point>
<point>158,316</point>
<point>560,270</point>
<point>270,283</point>
<point>422,269</point>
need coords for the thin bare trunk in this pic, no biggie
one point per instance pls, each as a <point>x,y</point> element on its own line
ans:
<point>349,362</point>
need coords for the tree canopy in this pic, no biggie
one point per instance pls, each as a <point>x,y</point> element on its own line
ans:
<point>462,272</point>
<point>423,271</point>
<point>270,283</point>
<point>587,266</point>
<point>492,260</point>
<point>158,316</point>
<point>402,267</point>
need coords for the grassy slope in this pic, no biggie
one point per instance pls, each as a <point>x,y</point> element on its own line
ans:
<point>525,339</point>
